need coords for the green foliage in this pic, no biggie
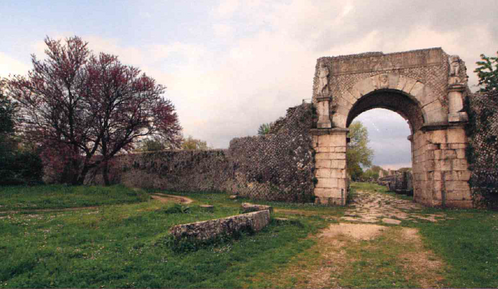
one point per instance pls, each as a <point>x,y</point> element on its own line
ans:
<point>151,145</point>
<point>7,114</point>
<point>191,143</point>
<point>358,154</point>
<point>17,166</point>
<point>487,71</point>
<point>177,209</point>
<point>21,168</point>
<point>265,128</point>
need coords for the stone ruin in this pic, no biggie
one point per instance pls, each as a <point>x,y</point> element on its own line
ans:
<point>427,87</point>
<point>400,182</point>
<point>303,159</point>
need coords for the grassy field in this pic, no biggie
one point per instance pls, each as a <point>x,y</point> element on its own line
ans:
<point>124,243</point>
<point>60,197</point>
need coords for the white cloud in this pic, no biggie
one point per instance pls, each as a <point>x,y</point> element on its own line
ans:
<point>11,66</point>
<point>223,30</point>
<point>226,8</point>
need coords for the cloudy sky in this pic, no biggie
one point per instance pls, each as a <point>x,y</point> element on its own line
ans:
<point>231,65</point>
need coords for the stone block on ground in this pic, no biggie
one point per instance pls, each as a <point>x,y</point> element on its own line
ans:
<point>208,230</point>
<point>248,207</point>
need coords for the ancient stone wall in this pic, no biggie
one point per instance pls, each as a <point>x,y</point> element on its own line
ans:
<point>483,150</point>
<point>277,166</point>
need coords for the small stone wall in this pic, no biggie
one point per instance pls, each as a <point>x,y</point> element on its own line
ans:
<point>208,230</point>
<point>278,166</point>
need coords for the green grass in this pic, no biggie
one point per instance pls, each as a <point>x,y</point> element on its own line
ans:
<point>60,197</point>
<point>125,243</point>
<point>468,243</point>
<point>127,246</point>
<point>372,187</point>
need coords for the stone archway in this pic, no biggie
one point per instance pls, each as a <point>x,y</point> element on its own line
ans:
<point>427,87</point>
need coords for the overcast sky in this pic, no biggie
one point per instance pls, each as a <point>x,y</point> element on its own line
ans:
<point>231,65</point>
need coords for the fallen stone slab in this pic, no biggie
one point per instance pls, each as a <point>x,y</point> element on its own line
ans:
<point>207,230</point>
<point>248,207</point>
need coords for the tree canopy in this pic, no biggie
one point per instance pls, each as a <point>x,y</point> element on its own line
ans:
<point>83,108</point>
<point>191,143</point>
<point>487,71</point>
<point>358,154</point>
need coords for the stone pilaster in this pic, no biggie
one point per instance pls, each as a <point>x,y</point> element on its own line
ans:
<point>440,167</point>
<point>331,186</point>
<point>455,99</point>
<point>323,111</point>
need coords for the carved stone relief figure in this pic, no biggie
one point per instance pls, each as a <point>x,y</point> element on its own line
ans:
<point>455,78</point>
<point>380,81</point>
<point>323,80</point>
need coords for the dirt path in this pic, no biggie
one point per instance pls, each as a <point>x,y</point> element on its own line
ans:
<point>34,211</point>
<point>368,247</point>
<point>165,198</point>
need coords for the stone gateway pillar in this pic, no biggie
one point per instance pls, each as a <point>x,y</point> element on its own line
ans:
<point>426,87</point>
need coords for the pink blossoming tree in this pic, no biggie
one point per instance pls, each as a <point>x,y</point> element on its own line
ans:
<point>84,109</point>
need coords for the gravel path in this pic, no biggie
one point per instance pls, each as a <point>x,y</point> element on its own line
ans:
<point>372,207</point>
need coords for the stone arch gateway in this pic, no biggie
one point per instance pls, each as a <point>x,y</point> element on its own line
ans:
<point>427,87</point>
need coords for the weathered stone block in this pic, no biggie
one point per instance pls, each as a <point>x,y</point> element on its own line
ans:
<point>323,173</point>
<point>323,164</point>
<point>338,164</point>
<point>457,186</point>
<point>338,173</point>
<point>365,86</point>
<point>330,156</point>
<point>458,195</point>
<point>435,113</point>
<point>248,207</point>
<point>456,135</point>
<point>339,119</point>
<point>437,136</point>
<point>211,229</point>
<point>460,164</point>
<point>326,183</point>
<point>410,82</point>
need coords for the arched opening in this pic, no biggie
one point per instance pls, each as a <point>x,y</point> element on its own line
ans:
<point>391,118</point>
<point>388,139</point>
<point>393,100</point>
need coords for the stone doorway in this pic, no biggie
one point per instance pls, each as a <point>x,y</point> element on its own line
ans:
<point>427,87</point>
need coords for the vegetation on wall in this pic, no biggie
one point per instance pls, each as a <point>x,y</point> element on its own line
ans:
<point>265,128</point>
<point>487,71</point>
<point>482,129</point>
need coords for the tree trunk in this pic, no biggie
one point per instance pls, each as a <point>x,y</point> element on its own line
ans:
<point>105,173</point>
<point>82,175</point>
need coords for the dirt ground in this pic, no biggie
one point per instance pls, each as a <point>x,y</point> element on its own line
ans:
<point>373,222</point>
